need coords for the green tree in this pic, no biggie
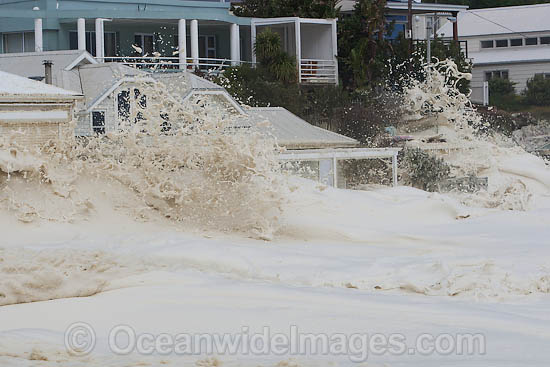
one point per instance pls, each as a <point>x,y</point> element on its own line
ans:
<point>286,8</point>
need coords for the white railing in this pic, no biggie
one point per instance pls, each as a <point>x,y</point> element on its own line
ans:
<point>167,63</point>
<point>311,70</point>
<point>318,71</point>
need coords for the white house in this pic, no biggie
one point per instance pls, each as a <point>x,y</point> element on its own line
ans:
<point>508,42</point>
<point>33,113</point>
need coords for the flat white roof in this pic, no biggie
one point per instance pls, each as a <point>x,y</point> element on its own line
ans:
<point>348,5</point>
<point>504,20</point>
<point>15,85</point>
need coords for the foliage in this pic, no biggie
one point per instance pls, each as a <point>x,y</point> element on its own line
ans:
<point>286,8</point>
<point>280,65</point>
<point>361,44</point>
<point>425,171</point>
<point>538,91</point>
<point>501,86</point>
<point>267,47</point>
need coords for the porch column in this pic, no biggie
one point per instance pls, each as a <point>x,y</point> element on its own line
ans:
<point>81,30</point>
<point>235,44</point>
<point>253,40</point>
<point>99,39</point>
<point>455,26</point>
<point>297,32</point>
<point>182,47</point>
<point>195,42</point>
<point>38,44</point>
<point>335,50</point>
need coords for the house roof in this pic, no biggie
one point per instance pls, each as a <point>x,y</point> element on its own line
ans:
<point>29,64</point>
<point>511,56</point>
<point>294,133</point>
<point>402,6</point>
<point>15,87</point>
<point>503,20</point>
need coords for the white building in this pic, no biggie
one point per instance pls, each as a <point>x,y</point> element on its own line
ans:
<point>508,42</point>
<point>33,113</point>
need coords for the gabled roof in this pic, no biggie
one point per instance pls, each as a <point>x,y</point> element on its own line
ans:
<point>294,133</point>
<point>15,87</point>
<point>504,20</point>
<point>29,64</point>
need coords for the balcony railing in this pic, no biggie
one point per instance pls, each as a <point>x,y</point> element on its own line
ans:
<point>311,71</point>
<point>318,71</point>
<point>167,63</point>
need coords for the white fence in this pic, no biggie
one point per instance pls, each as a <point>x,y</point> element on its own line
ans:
<point>318,71</point>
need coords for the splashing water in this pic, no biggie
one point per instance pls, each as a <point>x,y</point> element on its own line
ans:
<point>189,162</point>
<point>435,107</point>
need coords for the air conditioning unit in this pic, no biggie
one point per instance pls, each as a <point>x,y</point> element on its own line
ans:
<point>408,34</point>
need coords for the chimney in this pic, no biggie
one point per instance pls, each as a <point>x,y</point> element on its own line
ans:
<point>48,71</point>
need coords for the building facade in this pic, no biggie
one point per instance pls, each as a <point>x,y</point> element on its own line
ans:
<point>163,33</point>
<point>509,42</point>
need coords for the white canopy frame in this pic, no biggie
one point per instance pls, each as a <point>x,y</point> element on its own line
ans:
<point>336,154</point>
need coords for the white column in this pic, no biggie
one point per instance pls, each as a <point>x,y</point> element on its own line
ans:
<point>335,50</point>
<point>235,43</point>
<point>195,42</point>
<point>38,44</point>
<point>99,52</point>
<point>81,30</point>
<point>253,39</point>
<point>182,44</point>
<point>297,32</point>
<point>394,169</point>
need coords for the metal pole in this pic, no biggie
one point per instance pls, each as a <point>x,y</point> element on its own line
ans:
<point>394,168</point>
<point>429,43</point>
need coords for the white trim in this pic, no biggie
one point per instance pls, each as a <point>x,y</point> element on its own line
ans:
<point>84,56</point>
<point>115,86</point>
<point>217,93</point>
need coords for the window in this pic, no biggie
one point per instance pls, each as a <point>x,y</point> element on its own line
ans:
<point>487,44</point>
<point>501,43</point>
<point>545,40</point>
<point>516,42</point>
<point>207,47</point>
<point>531,41</point>
<point>110,39</point>
<point>18,42</point>
<point>503,74</point>
<point>126,108</point>
<point>543,75</point>
<point>98,122</point>
<point>146,42</point>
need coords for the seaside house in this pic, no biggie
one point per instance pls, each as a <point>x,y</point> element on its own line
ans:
<point>171,34</point>
<point>508,42</point>
<point>33,113</point>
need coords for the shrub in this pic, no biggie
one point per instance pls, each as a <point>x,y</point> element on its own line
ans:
<point>538,91</point>
<point>267,47</point>
<point>501,87</point>
<point>424,170</point>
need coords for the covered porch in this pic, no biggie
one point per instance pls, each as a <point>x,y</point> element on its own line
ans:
<point>312,41</point>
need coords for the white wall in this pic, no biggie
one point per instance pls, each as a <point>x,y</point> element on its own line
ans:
<point>518,73</point>
<point>317,41</point>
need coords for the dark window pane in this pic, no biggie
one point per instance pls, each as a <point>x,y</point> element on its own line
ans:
<point>501,43</point>
<point>73,40</point>
<point>545,40</point>
<point>504,74</point>
<point>488,76</point>
<point>124,104</point>
<point>487,44</point>
<point>98,122</point>
<point>516,42</point>
<point>531,41</point>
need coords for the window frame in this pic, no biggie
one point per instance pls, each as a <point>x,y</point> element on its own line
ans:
<point>500,72</point>
<point>104,112</point>
<point>546,41</point>
<point>492,44</point>
<point>531,38</point>
<point>502,40</point>
<point>510,42</point>
<point>22,33</point>
<point>142,41</point>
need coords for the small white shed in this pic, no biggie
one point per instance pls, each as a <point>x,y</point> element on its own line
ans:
<point>33,113</point>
